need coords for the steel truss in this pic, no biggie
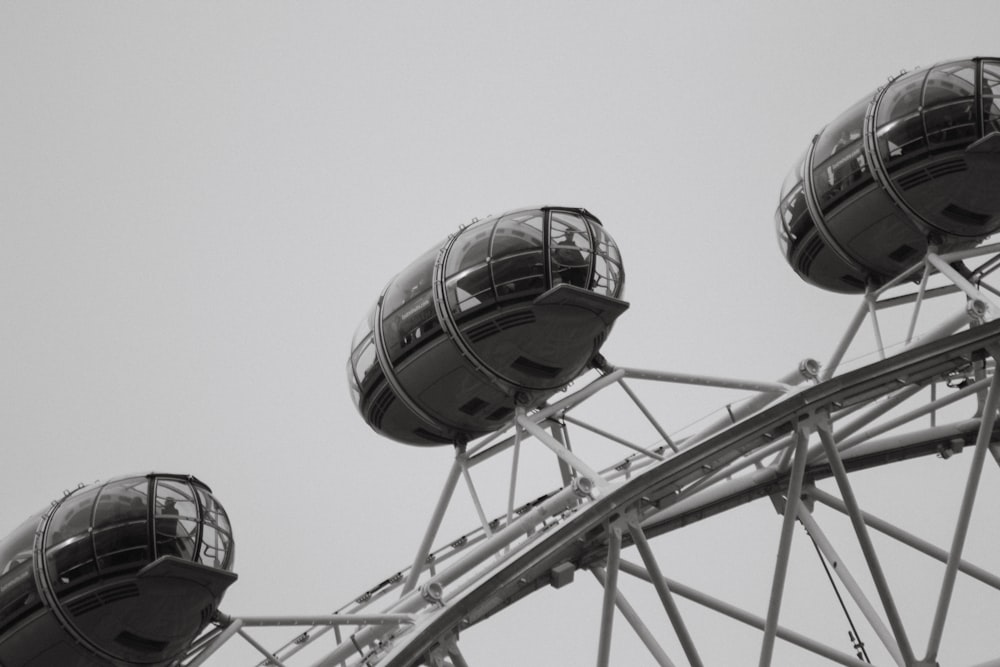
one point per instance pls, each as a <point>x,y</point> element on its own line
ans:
<point>777,444</point>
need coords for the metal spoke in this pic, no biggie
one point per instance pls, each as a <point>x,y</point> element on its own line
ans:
<point>272,659</point>
<point>964,515</point>
<point>874,567</point>
<point>746,617</point>
<point>649,415</point>
<point>484,522</point>
<point>610,436</point>
<point>635,621</point>
<point>907,538</point>
<point>557,447</point>
<point>845,576</point>
<point>217,643</point>
<point>610,589</point>
<point>954,276</point>
<point>653,566</point>
<point>519,415</point>
<point>425,545</point>
<point>919,301</point>
<point>784,544</point>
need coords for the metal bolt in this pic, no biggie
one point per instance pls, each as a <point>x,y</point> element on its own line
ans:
<point>432,592</point>
<point>809,368</point>
<point>583,487</point>
<point>976,308</point>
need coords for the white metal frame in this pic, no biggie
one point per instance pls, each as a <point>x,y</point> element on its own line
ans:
<point>681,478</point>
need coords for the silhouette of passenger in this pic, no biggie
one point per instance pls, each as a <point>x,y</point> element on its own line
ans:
<point>166,529</point>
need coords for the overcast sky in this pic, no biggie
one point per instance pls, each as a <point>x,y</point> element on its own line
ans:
<point>200,200</point>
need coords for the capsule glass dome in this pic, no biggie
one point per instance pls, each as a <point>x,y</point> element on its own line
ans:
<point>93,565</point>
<point>915,164</point>
<point>505,312</point>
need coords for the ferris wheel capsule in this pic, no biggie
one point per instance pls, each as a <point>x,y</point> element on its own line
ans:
<point>502,314</point>
<point>915,165</point>
<point>126,572</point>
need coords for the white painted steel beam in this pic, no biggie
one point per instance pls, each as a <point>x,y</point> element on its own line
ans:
<point>706,380</point>
<point>746,617</point>
<point>663,591</point>
<point>272,659</point>
<point>633,619</point>
<point>420,559</point>
<point>907,538</point>
<point>649,415</point>
<point>614,438</point>
<point>784,545</point>
<point>217,643</point>
<point>561,451</point>
<point>954,276</point>
<point>964,515</point>
<point>864,540</point>
<point>610,592</point>
<point>846,578</point>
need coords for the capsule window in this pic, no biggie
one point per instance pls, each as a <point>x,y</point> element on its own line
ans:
<point>950,82</point>
<point>516,233</point>
<point>470,248</point>
<point>470,290</point>
<point>519,276</point>
<point>991,96</point>
<point>794,177</point>
<point>607,277</point>
<point>216,548</point>
<point>840,136</point>
<point>16,548</point>
<point>121,525</point>
<point>364,330</point>
<point>72,518</point>
<point>408,324</point>
<point>903,140</point>
<point>569,248</point>
<point>414,281</point>
<point>17,586</point>
<point>901,99</point>
<point>606,247</point>
<point>175,515</point>
<point>364,360</point>
<point>121,502</point>
<point>792,218</point>
<point>951,124</point>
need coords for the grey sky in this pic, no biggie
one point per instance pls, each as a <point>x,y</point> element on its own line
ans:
<point>199,202</point>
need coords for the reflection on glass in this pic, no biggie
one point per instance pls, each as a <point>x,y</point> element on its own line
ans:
<point>901,99</point>
<point>72,517</point>
<point>516,233</point>
<point>471,248</point>
<point>519,275</point>
<point>838,159</point>
<point>412,282</point>
<point>951,124</point>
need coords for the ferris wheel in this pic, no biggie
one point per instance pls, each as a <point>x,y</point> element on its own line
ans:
<point>489,344</point>
<point>891,201</point>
